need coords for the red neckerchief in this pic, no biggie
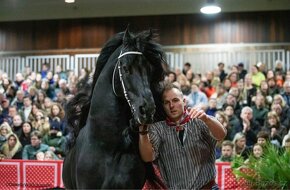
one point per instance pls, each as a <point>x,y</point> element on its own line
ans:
<point>179,126</point>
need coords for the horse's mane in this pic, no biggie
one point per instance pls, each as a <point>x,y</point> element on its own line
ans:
<point>78,107</point>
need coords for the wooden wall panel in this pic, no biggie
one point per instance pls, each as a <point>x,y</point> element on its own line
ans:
<point>251,27</point>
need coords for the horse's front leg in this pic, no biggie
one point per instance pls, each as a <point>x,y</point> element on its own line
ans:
<point>126,173</point>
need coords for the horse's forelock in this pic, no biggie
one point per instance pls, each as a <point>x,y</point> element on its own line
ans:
<point>145,42</point>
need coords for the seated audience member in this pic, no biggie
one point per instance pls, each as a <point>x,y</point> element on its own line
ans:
<point>286,93</point>
<point>284,112</point>
<point>18,100</point>
<point>264,91</point>
<point>189,75</point>
<point>57,112</point>
<point>273,89</point>
<point>235,91</point>
<point>186,67</point>
<point>248,125</point>
<point>30,151</point>
<point>287,146</point>
<point>223,119</point>
<point>55,140</point>
<point>249,91</point>
<point>34,109</point>
<point>218,149</point>
<point>40,97</point>
<point>274,128</point>
<point>279,67</point>
<point>259,109</point>
<point>40,156</point>
<point>24,136</point>
<point>5,130</point>
<point>222,72</point>
<point>196,97</point>
<point>263,137</point>
<point>184,84</point>
<point>234,122</point>
<point>12,148</point>
<point>242,71</point>
<point>16,125</point>
<point>279,77</point>
<point>227,84</point>
<point>233,77</point>
<point>211,109</point>
<point>25,112</point>
<point>12,111</point>
<point>257,76</point>
<point>227,152</point>
<point>49,155</point>
<point>284,120</point>
<point>257,153</point>
<point>47,106</point>
<point>62,74</point>
<point>48,89</point>
<point>220,95</point>
<point>285,137</point>
<point>4,112</point>
<point>41,123</point>
<point>32,91</point>
<point>232,100</point>
<point>240,147</point>
<point>216,79</point>
<point>171,77</point>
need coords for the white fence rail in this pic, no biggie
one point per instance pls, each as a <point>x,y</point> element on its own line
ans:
<point>10,65</point>
<point>35,62</point>
<point>207,61</point>
<point>288,61</point>
<point>85,61</point>
<point>200,61</point>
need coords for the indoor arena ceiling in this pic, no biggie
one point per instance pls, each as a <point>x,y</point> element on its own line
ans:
<point>17,10</point>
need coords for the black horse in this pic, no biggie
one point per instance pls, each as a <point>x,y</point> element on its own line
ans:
<point>103,147</point>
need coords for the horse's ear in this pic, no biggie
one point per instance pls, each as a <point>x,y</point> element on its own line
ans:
<point>150,35</point>
<point>127,39</point>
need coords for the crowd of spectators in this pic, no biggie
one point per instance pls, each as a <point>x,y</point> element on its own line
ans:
<point>252,104</point>
<point>32,116</point>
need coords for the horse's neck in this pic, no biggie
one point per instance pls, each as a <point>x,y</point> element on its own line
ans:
<point>107,113</point>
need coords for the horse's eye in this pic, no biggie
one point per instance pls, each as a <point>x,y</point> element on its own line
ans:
<point>126,69</point>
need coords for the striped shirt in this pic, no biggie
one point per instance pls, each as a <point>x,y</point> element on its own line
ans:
<point>187,166</point>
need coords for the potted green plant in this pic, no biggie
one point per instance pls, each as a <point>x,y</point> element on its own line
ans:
<point>271,171</point>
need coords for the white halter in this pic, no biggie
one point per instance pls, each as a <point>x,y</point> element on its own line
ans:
<point>120,74</point>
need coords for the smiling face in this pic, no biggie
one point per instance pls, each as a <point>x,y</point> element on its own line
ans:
<point>173,103</point>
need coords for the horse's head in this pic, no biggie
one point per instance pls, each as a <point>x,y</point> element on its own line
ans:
<point>135,71</point>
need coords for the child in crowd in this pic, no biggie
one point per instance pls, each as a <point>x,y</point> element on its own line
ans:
<point>257,154</point>
<point>40,156</point>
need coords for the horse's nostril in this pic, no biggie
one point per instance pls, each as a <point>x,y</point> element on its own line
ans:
<point>142,110</point>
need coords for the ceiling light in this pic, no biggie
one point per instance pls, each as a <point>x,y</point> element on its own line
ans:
<point>210,8</point>
<point>69,1</point>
